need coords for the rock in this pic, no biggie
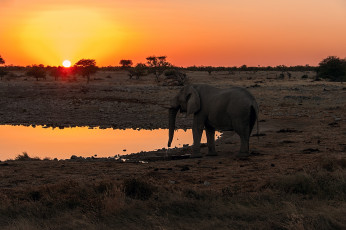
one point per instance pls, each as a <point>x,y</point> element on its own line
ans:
<point>206,183</point>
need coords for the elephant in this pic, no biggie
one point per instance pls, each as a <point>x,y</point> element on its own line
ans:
<point>231,109</point>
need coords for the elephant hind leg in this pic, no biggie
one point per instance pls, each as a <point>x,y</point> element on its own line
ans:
<point>244,145</point>
<point>243,130</point>
<point>253,118</point>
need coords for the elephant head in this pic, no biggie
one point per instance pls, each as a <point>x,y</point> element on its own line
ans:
<point>187,101</point>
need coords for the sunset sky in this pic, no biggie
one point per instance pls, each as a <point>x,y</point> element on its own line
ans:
<point>194,32</point>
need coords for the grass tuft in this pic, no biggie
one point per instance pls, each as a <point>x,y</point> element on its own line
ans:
<point>138,189</point>
<point>333,164</point>
<point>323,185</point>
<point>26,157</point>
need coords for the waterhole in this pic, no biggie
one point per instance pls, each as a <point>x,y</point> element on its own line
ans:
<point>47,142</point>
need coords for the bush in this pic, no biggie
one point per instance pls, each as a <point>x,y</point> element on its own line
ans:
<point>139,70</point>
<point>281,76</point>
<point>26,157</point>
<point>174,77</point>
<point>332,68</point>
<point>137,189</point>
<point>322,184</point>
<point>2,73</point>
<point>37,71</point>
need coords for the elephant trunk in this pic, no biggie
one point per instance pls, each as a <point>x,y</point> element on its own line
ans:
<point>172,115</point>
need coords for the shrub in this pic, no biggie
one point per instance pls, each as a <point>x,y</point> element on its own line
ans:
<point>2,73</point>
<point>26,157</point>
<point>139,70</point>
<point>157,65</point>
<point>281,76</point>
<point>60,72</point>
<point>323,185</point>
<point>137,189</point>
<point>333,164</point>
<point>37,71</point>
<point>175,77</point>
<point>332,68</point>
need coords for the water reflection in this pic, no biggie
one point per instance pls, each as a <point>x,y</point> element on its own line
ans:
<point>81,141</point>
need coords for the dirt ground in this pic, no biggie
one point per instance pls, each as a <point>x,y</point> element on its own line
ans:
<point>301,124</point>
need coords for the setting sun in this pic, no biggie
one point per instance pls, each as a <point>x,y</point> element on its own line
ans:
<point>66,63</point>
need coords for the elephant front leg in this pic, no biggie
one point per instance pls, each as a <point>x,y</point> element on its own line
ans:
<point>197,131</point>
<point>210,133</point>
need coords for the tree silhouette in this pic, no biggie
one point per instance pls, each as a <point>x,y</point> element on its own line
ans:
<point>60,72</point>
<point>126,63</point>
<point>2,61</point>
<point>158,65</point>
<point>85,68</point>
<point>2,72</point>
<point>37,71</point>
<point>332,68</point>
<point>209,69</point>
<point>175,77</point>
<point>138,71</point>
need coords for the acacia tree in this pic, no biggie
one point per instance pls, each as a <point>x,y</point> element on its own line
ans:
<point>209,69</point>
<point>60,72</point>
<point>37,71</point>
<point>158,65</point>
<point>332,68</point>
<point>138,71</point>
<point>125,63</point>
<point>85,68</point>
<point>2,72</point>
<point>2,61</point>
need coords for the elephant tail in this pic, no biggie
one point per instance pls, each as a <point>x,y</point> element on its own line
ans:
<point>254,118</point>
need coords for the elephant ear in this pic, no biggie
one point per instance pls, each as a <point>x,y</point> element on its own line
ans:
<point>193,100</point>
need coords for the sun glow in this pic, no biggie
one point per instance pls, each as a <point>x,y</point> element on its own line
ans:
<point>66,63</point>
<point>49,36</point>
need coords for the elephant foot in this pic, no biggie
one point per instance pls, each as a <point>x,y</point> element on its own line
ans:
<point>211,154</point>
<point>196,155</point>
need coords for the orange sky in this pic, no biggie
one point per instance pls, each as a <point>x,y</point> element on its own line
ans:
<point>194,32</point>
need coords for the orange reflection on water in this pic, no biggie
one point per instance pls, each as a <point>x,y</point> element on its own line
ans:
<point>82,141</point>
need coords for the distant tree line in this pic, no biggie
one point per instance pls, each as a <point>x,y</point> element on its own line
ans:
<point>252,68</point>
<point>332,68</point>
<point>84,67</point>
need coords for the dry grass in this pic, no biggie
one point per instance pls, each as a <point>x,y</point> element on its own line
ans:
<point>303,200</point>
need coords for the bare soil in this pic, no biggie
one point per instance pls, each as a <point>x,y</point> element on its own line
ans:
<point>299,152</point>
